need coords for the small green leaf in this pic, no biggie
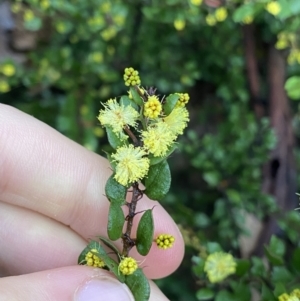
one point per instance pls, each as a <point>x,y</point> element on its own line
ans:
<point>266,294</point>
<point>212,178</point>
<point>213,247</point>
<point>273,258</point>
<point>126,101</point>
<point>81,258</point>
<point>170,103</point>
<point>113,139</point>
<point>111,264</point>
<point>243,11</point>
<point>139,285</point>
<point>144,235</point>
<point>277,246</point>
<point>115,221</point>
<point>205,294</point>
<point>115,192</point>
<point>136,97</point>
<point>243,266</point>
<point>109,244</point>
<point>279,289</point>
<point>34,24</point>
<point>281,274</point>
<point>296,259</point>
<point>292,87</point>
<point>158,181</point>
<point>156,160</point>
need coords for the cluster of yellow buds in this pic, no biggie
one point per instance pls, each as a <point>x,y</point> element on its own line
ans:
<point>294,296</point>
<point>94,260</point>
<point>128,265</point>
<point>152,107</point>
<point>183,99</point>
<point>131,77</point>
<point>165,241</point>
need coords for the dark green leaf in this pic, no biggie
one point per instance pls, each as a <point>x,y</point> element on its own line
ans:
<point>115,192</point>
<point>109,244</point>
<point>281,274</point>
<point>111,264</point>
<point>258,267</point>
<point>279,289</point>
<point>158,181</point>
<point>266,294</point>
<point>144,235</point>
<point>136,97</point>
<point>273,258</point>
<point>170,103</point>
<point>81,258</point>
<point>113,139</point>
<point>156,160</point>
<point>277,246</point>
<point>126,101</point>
<point>296,259</point>
<point>243,266</point>
<point>139,285</point>
<point>205,294</point>
<point>224,295</point>
<point>115,221</point>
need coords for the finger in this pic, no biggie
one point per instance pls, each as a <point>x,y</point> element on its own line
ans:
<point>45,172</point>
<point>76,283</point>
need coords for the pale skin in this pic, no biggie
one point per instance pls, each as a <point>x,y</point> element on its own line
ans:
<point>51,203</point>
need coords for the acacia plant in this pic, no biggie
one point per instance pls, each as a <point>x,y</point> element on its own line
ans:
<point>142,130</point>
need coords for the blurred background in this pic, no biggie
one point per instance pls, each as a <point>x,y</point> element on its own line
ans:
<point>236,173</point>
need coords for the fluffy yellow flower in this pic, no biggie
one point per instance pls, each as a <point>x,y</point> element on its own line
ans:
<point>218,266</point>
<point>296,292</point>
<point>128,266</point>
<point>131,165</point>
<point>221,14</point>
<point>4,86</point>
<point>196,2</point>
<point>274,8</point>
<point>179,24</point>
<point>94,260</point>
<point>8,69</point>
<point>152,107</point>
<point>165,241</point>
<point>117,116</point>
<point>158,139</point>
<point>210,20</point>
<point>177,120</point>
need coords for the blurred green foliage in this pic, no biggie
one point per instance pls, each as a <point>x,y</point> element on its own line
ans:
<point>185,46</point>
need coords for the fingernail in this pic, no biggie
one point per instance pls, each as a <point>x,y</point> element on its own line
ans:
<point>103,288</point>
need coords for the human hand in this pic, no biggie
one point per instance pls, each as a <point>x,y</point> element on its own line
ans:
<point>51,202</point>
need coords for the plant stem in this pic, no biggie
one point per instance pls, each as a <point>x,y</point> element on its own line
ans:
<point>128,242</point>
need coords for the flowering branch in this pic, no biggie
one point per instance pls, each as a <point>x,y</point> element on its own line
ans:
<point>153,125</point>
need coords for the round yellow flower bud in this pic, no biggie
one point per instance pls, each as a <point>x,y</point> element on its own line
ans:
<point>93,260</point>
<point>165,241</point>
<point>152,107</point>
<point>128,265</point>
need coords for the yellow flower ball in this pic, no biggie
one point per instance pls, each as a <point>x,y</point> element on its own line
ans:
<point>152,107</point>
<point>221,14</point>
<point>274,8</point>
<point>8,69</point>
<point>210,20</point>
<point>165,241</point>
<point>196,2</point>
<point>179,24</point>
<point>4,86</point>
<point>218,266</point>
<point>128,265</point>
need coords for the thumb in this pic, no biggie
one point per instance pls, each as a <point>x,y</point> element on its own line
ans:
<point>75,283</point>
